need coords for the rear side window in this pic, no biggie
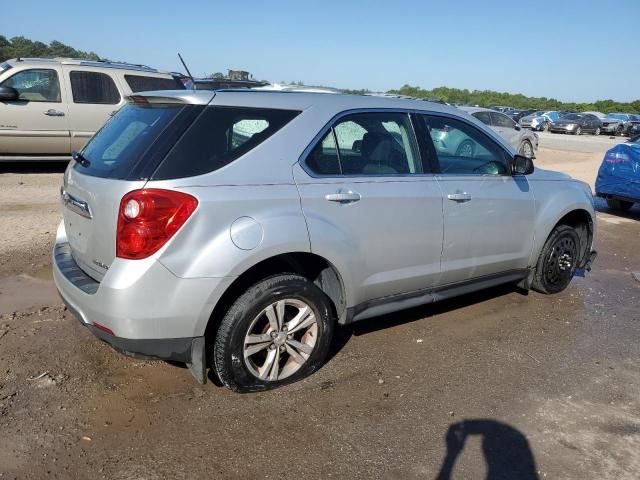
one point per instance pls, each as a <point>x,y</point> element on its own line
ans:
<point>123,141</point>
<point>368,144</point>
<point>138,83</point>
<point>484,117</point>
<point>93,87</point>
<point>219,136</point>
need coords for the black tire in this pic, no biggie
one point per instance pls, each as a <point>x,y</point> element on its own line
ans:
<point>546,127</point>
<point>578,131</point>
<point>228,346</point>
<point>465,149</point>
<point>597,131</point>
<point>619,131</point>
<point>621,205</point>
<point>552,273</point>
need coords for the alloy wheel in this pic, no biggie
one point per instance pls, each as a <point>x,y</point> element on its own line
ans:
<point>280,339</point>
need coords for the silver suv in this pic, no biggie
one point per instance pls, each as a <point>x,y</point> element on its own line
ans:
<point>51,107</point>
<point>235,229</point>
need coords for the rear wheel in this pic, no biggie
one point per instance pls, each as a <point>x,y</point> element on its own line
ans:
<point>546,126</point>
<point>579,131</point>
<point>558,260</point>
<point>277,332</point>
<point>619,204</point>
<point>465,149</point>
<point>526,149</point>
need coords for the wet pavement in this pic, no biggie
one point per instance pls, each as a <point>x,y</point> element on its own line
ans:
<point>499,384</point>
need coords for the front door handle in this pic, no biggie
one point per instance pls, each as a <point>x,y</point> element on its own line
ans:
<point>459,197</point>
<point>343,197</point>
<point>54,113</point>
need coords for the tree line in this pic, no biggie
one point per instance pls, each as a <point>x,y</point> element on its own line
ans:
<point>489,98</point>
<point>17,47</point>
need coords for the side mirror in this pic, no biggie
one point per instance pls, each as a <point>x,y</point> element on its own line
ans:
<point>521,165</point>
<point>8,94</point>
<point>517,127</point>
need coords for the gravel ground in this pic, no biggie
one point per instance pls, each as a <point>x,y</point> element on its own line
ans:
<point>496,384</point>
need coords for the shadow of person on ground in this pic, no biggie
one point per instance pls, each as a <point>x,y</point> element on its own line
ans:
<point>506,450</point>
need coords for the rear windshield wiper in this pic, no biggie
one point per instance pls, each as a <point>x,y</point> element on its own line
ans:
<point>78,157</point>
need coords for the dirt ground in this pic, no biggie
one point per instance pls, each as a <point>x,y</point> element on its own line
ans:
<point>491,385</point>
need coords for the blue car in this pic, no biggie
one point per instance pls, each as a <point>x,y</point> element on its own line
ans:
<point>540,120</point>
<point>619,176</point>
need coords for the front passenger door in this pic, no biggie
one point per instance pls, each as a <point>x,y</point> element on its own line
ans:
<point>488,213</point>
<point>36,124</point>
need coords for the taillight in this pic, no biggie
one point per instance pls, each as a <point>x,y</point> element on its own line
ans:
<point>148,218</point>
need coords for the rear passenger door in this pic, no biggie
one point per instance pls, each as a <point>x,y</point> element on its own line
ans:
<point>94,97</point>
<point>488,213</point>
<point>373,207</point>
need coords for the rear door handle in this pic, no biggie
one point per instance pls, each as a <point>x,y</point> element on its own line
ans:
<point>54,113</point>
<point>459,197</point>
<point>343,197</point>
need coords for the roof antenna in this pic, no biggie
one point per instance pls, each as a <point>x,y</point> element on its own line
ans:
<point>187,69</point>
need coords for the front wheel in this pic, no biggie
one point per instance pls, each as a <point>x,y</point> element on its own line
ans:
<point>277,332</point>
<point>558,260</point>
<point>597,131</point>
<point>621,205</point>
<point>579,131</point>
<point>546,126</point>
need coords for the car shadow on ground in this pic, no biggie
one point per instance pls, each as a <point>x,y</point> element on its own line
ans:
<point>33,167</point>
<point>506,450</point>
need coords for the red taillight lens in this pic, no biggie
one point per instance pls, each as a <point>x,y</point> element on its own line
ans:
<point>148,218</point>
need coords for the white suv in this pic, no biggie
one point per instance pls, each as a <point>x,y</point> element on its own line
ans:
<point>50,107</point>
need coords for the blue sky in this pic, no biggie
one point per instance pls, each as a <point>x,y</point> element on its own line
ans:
<point>571,50</point>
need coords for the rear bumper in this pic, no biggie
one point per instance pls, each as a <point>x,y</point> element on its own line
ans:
<point>175,349</point>
<point>149,311</point>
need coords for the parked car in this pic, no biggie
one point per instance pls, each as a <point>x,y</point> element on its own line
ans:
<point>610,126</point>
<point>524,141</point>
<point>502,108</point>
<point>540,120</point>
<point>220,83</point>
<point>50,107</point>
<point>516,115</point>
<point>618,178</point>
<point>629,122</point>
<point>179,242</point>
<point>577,124</point>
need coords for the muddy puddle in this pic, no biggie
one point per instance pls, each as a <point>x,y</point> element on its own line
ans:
<point>28,291</point>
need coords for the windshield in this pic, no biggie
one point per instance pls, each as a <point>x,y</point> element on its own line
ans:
<point>617,116</point>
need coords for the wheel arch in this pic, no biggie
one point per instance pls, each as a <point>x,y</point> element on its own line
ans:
<point>310,265</point>
<point>583,222</point>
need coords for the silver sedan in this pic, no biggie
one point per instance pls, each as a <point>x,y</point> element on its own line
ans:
<point>523,140</point>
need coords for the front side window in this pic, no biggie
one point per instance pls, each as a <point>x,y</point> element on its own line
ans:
<point>463,149</point>
<point>94,87</point>
<point>367,144</point>
<point>36,85</point>
<point>219,136</point>
<point>500,120</point>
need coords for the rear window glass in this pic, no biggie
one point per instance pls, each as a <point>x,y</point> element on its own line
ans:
<point>93,87</point>
<point>219,136</point>
<point>138,83</point>
<point>122,141</point>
